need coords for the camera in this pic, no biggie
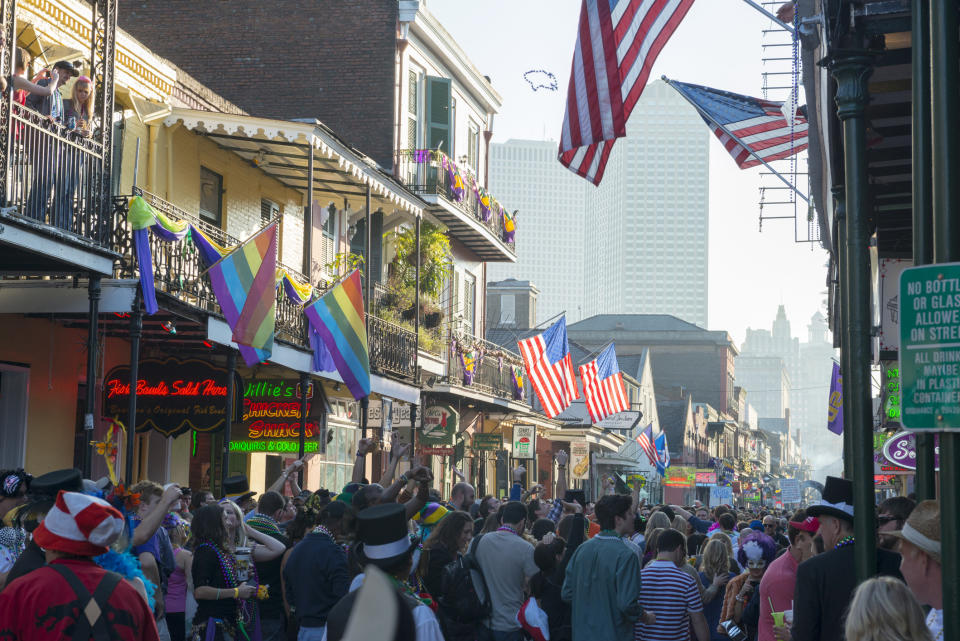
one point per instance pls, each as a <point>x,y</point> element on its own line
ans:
<point>734,631</point>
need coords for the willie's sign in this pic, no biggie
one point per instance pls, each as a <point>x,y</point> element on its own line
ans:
<point>173,396</point>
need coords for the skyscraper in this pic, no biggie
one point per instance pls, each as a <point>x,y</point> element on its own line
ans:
<point>638,243</point>
<point>552,204</point>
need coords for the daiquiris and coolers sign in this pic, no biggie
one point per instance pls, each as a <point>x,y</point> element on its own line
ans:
<point>271,418</point>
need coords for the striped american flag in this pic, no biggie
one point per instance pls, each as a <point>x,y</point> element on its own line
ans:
<point>745,124</point>
<point>603,387</point>
<point>549,367</point>
<point>617,44</point>
<point>645,439</point>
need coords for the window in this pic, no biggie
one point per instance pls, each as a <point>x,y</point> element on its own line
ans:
<point>439,130</point>
<point>211,196</point>
<point>469,302</point>
<point>473,146</point>
<point>413,108</point>
<point>508,309</point>
<point>268,211</point>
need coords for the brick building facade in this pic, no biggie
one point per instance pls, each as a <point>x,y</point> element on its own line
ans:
<point>286,59</point>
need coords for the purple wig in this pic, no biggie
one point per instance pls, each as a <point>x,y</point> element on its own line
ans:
<point>755,546</point>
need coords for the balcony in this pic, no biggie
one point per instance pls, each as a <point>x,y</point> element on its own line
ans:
<point>433,176</point>
<point>493,375</point>
<point>55,196</point>
<point>177,270</point>
<point>55,208</point>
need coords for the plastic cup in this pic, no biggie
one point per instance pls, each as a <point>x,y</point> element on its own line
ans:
<point>788,617</point>
<point>777,619</point>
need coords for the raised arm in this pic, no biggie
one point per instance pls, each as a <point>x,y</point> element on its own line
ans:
<point>423,476</point>
<point>561,458</point>
<point>148,526</point>
<point>285,475</point>
<point>363,447</point>
<point>269,548</point>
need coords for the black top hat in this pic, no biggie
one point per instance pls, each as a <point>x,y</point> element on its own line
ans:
<point>836,500</point>
<point>46,486</point>
<point>237,488</point>
<point>382,532</point>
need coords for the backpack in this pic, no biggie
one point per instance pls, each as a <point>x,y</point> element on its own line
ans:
<point>464,597</point>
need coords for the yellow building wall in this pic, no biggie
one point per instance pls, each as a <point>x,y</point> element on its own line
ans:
<point>171,170</point>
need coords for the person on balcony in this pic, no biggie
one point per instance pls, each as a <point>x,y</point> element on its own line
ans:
<point>42,150</point>
<point>78,117</point>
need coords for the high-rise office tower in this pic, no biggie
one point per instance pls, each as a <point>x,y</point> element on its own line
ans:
<point>638,243</point>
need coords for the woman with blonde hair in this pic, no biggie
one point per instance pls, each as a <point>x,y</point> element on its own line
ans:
<point>714,576</point>
<point>657,520</point>
<point>884,609</point>
<point>78,118</point>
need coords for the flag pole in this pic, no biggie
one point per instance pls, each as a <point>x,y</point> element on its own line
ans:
<point>233,250</point>
<point>773,17</point>
<point>740,142</point>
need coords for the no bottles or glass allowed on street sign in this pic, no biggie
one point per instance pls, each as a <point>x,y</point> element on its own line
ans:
<point>930,347</point>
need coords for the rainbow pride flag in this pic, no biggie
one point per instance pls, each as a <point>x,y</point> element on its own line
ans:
<point>244,282</point>
<point>338,317</point>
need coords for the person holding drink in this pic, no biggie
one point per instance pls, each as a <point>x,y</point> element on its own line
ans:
<point>780,579</point>
<point>224,576</point>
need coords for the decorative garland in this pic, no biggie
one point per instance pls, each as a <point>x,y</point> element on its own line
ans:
<point>457,184</point>
<point>143,218</point>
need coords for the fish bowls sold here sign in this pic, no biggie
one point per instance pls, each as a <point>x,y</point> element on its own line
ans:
<point>930,347</point>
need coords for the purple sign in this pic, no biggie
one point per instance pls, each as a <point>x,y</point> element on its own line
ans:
<point>900,449</point>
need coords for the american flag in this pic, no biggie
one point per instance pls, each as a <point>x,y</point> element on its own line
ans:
<point>744,124</point>
<point>617,44</point>
<point>645,439</point>
<point>663,453</point>
<point>550,368</point>
<point>603,387</point>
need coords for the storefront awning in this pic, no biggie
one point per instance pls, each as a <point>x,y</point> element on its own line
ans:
<point>593,435</point>
<point>281,149</point>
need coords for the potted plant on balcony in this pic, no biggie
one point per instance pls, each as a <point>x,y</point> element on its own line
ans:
<point>435,259</point>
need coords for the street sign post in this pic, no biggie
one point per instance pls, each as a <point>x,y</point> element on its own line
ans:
<point>930,347</point>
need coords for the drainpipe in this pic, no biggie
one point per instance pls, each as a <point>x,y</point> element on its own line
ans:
<point>852,69</point>
<point>93,349</point>
<point>136,331</point>
<point>402,43</point>
<point>926,483</point>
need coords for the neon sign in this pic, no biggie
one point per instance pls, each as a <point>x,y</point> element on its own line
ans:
<point>272,446</point>
<point>173,395</point>
<point>890,393</point>
<point>271,418</point>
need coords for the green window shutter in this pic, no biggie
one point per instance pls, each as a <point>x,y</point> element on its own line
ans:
<point>438,113</point>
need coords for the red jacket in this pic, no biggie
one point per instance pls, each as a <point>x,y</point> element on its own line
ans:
<point>41,606</point>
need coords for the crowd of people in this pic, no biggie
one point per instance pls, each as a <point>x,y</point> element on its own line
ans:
<point>394,560</point>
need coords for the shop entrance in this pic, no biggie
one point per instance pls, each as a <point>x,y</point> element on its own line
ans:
<point>14,387</point>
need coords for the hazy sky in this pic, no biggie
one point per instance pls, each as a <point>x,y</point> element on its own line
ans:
<point>718,44</point>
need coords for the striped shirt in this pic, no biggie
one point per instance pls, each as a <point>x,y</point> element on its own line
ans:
<point>671,594</point>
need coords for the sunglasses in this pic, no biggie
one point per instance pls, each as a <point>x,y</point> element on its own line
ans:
<point>887,519</point>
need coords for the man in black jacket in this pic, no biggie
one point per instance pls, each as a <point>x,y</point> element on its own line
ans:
<point>316,574</point>
<point>825,583</point>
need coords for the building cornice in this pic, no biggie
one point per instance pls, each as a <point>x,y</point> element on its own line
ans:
<point>441,44</point>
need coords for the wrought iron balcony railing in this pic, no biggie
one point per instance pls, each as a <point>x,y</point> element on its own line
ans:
<point>393,349</point>
<point>495,372</point>
<point>55,177</point>
<point>177,270</point>
<point>422,171</point>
